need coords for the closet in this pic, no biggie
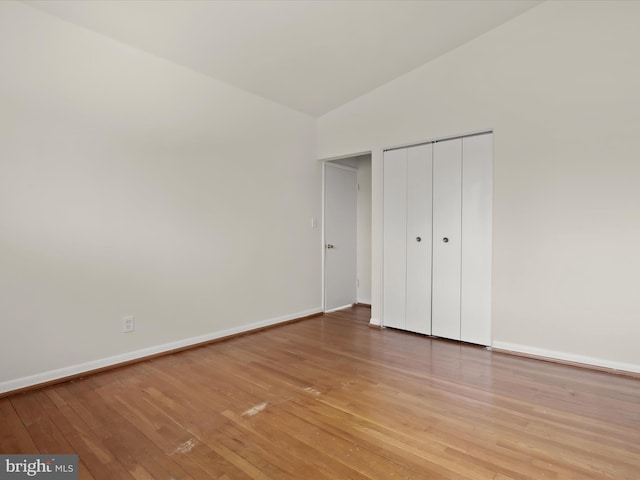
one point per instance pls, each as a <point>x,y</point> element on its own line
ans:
<point>437,238</point>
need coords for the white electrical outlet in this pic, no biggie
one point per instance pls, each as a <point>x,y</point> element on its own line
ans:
<point>128,324</point>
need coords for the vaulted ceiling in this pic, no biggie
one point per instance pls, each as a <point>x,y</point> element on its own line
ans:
<point>312,56</point>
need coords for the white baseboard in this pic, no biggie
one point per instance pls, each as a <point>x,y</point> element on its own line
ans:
<point>567,357</point>
<point>73,370</point>
<point>375,321</point>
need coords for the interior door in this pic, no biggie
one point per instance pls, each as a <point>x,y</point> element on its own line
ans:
<point>447,219</point>
<point>340,230</point>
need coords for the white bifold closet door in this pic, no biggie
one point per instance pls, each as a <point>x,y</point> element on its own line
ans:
<point>419,235</point>
<point>462,223</point>
<point>407,238</point>
<point>437,238</point>
<point>447,241</point>
<point>477,221</point>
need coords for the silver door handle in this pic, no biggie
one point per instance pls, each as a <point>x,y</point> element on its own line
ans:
<point>329,245</point>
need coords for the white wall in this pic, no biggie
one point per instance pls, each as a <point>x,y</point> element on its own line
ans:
<point>559,87</point>
<point>129,185</point>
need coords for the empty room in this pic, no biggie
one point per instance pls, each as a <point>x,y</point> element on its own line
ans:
<point>317,239</point>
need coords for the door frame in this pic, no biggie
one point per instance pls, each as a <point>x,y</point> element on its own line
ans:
<point>330,164</point>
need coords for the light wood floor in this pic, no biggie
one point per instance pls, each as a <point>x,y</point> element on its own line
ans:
<point>331,398</point>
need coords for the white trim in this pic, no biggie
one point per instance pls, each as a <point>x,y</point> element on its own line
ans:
<point>72,370</point>
<point>439,139</point>
<point>381,236</point>
<point>375,321</point>
<point>323,300</point>
<point>569,357</point>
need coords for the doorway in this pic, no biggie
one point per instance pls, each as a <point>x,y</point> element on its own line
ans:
<point>347,232</point>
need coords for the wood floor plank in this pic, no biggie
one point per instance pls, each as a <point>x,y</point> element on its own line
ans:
<point>84,472</point>
<point>14,437</point>
<point>286,440</point>
<point>330,398</point>
<point>409,443</point>
<point>45,434</point>
<point>407,456</point>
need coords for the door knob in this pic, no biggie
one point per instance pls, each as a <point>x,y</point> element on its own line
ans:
<point>445,239</point>
<point>418,239</point>
<point>329,245</point>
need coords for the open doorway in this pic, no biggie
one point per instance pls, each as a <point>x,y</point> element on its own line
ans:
<point>347,218</point>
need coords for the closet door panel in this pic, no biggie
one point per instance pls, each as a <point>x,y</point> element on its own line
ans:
<point>419,238</point>
<point>447,218</point>
<point>394,238</point>
<point>477,200</point>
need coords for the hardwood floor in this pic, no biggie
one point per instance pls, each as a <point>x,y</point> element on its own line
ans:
<point>330,398</point>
